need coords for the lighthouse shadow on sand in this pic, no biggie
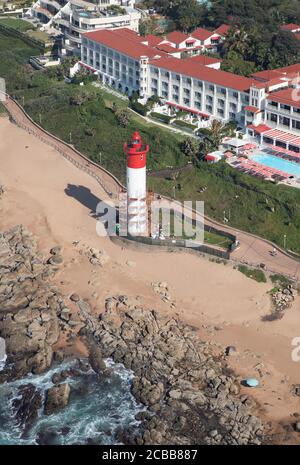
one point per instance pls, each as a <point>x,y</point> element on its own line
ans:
<point>89,200</point>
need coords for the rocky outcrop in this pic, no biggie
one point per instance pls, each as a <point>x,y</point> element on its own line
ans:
<point>57,398</point>
<point>28,305</point>
<point>26,406</point>
<point>192,398</point>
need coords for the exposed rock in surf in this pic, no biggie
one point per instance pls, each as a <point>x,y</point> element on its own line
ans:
<point>26,406</point>
<point>57,398</point>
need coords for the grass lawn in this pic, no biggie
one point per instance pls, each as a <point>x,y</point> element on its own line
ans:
<point>257,275</point>
<point>17,23</point>
<point>262,208</point>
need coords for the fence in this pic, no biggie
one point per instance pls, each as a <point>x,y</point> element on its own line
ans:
<point>66,151</point>
<point>171,244</point>
<point>21,35</point>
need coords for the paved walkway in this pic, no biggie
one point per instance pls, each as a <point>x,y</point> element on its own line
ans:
<point>253,250</point>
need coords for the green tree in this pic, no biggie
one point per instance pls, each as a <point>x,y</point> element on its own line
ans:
<point>122,116</point>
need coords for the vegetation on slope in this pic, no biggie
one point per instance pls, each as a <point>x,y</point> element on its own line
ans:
<point>85,116</point>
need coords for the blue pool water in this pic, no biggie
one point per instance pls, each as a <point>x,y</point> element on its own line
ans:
<point>278,163</point>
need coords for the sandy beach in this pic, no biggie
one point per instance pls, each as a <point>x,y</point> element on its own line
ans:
<point>55,201</point>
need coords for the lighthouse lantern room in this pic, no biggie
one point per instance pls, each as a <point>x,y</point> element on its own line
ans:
<point>137,215</point>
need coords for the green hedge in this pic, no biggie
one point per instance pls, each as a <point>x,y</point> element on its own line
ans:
<point>184,124</point>
<point>139,108</point>
<point>164,118</point>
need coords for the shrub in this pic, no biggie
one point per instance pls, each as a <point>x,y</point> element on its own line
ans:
<point>184,124</point>
<point>164,118</point>
<point>138,107</point>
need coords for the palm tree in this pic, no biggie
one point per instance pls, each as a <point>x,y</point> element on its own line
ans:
<point>212,136</point>
<point>237,40</point>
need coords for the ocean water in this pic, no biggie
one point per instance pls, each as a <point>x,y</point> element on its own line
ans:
<point>278,163</point>
<point>99,407</point>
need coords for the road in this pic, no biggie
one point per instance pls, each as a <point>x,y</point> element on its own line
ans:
<point>252,250</point>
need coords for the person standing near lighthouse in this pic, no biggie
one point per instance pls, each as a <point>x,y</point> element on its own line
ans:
<point>137,216</point>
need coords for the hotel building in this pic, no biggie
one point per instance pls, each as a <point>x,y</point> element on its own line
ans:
<point>264,105</point>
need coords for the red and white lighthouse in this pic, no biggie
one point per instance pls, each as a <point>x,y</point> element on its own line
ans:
<point>137,216</point>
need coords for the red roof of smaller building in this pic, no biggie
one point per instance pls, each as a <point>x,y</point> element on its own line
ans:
<point>222,30</point>
<point>152,40</point>
<point>176,37</point>
<point>261,128</point>
<point>203,60</point>
<point>202,34</point>
<point>252,109</point>
<point>290,27</point>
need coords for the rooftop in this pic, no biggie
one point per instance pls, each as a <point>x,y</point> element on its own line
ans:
<point>222,30</point>
<point>125,41</point>
<point>290,27</point>
<point>203,60</point>
<point>202,34</point>
<point>176,37</point>
<point>191,68</point>
<point>289,96</point>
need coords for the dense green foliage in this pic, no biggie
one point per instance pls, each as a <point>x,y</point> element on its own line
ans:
<point>257,275</point>
<point>256,41</point>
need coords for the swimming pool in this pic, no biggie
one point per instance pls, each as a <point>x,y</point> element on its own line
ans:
<point>278,163</point>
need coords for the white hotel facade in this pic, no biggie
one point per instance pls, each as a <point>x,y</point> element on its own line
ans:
<point>128,62</point>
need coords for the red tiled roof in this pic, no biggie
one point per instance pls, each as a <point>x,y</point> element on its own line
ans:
<point>202,34</point>
<point>123,41</point>
<point>222,30</point>
<point>167,48</point>
<point>252,109</point>
<point>261,128</point>
<point>180,107</point>
<point>176,37</point>
<point>152,40</point>
<point>290,27</point>
<point>194,69</point>
<point>289,96</point>
<point>203,60</point>
<point>267,75</point>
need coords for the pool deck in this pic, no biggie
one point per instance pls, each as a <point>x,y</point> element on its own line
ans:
<point>245,164</point>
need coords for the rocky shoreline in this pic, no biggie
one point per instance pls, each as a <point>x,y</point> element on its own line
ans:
<point>192,397</point>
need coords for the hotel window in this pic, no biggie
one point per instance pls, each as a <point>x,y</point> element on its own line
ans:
<point>97,56</point>
<point>273,117</point>
<point>285,107</point>
<point>296,124</point>
<point>296,110</point>
<point>200,84</point>
<point>209,108</point>
<point>124,68</point>
<point>198,105</point>
<point>91,61</point>
<point>97,64</point>
<point>221,102</point>
<point>85,50</point>
<point>198,95</point>
<point>221,90</point>
<point>273,104</point>
<point>284,121</point>
<point>155,70</point>
<point>211,88</point>
<point>235,95</point>
<point>175,97</point>
<point>110,62</point>
<point>110,70</point>
<point>84,58</point>
<point>130,71</point>
<point>231,115</point>
<point>220,112</point>
<point>177,77</point>
<point>186,91</point>
<point>154,81</point>
<point>117,65</point>
<point>91,53</point>
<point>233,106</point>
<point>209,98</point>
<point>154,90</point>
<point>104,67</point>
<point>187,101</point>
<point>117,56</point>
<point>124,77</point>
<point>176,88</point>
<point>164,93</point>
